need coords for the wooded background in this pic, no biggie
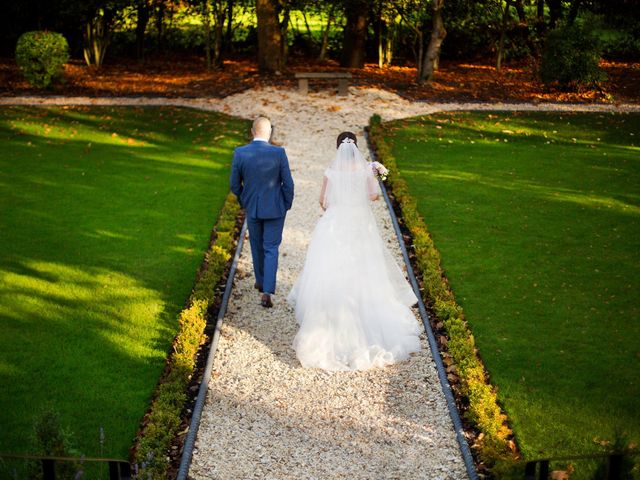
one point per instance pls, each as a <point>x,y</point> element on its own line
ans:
<point>401,32</point>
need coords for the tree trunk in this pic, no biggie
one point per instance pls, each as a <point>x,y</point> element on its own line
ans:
<point>325,36</point>
<point>206,21</point>
<point>388,47</point>
<point>522,17</point>
<point>269,49</point>
<point>503,34</point>
<point>438,33</point>
<point>540,17</point>
<point>420,56</point>
<point>284,29</point>
<point>160,9</point>
<point>355,34</point>
<point>141,26</point>
<point>229,32</point>
<point>306,25</point>
<point>573,11</point>
<point>219,18</point>
<point>380,29</point>
<point>97,36</point>
<point>555,12</point>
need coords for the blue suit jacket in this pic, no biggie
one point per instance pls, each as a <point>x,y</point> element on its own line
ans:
<point>261,179</point>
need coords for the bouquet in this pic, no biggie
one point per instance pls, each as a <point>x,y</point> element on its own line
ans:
<point>379,170</point>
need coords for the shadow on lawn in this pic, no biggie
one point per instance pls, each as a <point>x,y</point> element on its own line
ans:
<point>91,238</point>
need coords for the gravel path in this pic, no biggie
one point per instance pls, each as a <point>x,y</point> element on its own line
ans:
<point>265,416</point>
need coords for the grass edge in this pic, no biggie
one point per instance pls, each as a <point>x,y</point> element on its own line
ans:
<point>495,444</point>
<point>149,454</point>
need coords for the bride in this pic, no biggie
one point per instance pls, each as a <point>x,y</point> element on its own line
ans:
<point>352,302</point>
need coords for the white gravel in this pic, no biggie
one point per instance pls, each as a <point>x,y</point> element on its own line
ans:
<point>266,417</point>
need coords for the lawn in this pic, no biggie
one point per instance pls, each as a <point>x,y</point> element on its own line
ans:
<point>105,214</point>
<point>537,218</point>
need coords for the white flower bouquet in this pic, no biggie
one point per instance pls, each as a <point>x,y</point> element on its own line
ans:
<point>379,170</point>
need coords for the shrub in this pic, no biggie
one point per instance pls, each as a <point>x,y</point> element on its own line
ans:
<point>49,438</point>
<point>40,56</point>
<point>621,45</point>
<point>571,57</point>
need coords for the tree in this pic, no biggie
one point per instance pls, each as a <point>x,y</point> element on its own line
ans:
<point>101,18</point>
<point>143,9</point>
<point>214,14</point>
<point>324,43</point>
<point>269,37</point>
<point>384,30</point>
<point>555,12</point>
<point>355,33</point>
<point>415,15</point>
<point>438,33</point>
<point>503,34</point>
<point>285,9</point>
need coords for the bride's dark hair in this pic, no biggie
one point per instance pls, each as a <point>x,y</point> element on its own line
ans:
<point>344,135</point>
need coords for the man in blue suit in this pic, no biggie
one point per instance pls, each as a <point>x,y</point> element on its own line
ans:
<point>261,179</point>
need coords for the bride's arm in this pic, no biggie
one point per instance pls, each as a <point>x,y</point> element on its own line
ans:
<point>373,188</point>
<point>323,194</point>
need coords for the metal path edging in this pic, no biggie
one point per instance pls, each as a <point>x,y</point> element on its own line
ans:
<point>442,375</point>
<point>189,443</point>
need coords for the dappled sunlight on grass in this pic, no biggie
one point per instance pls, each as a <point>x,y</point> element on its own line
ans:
<point>537,218</point>
<point>543,191</point>
<point>106,214</point>
<point>108,300</point>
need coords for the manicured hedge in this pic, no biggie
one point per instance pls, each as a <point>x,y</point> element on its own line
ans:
<point>41,56</point>
<point>163,419</point>
<point>494,443</point>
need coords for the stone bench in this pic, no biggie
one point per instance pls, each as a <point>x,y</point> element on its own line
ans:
<point>342,77</point>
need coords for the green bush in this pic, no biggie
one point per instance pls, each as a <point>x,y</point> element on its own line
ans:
<point>621,45</point>
<point>51,439</point>
<point>571,57</point>
<point>41,56</point>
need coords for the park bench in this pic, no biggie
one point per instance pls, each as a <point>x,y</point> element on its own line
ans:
<point>342,77</point>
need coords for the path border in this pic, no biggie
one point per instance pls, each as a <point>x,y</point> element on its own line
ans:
<point>194,425</point>
<point>206,103</point>
<point>435,351</point>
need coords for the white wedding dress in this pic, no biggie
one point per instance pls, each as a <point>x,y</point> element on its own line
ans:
<point>352,301</point>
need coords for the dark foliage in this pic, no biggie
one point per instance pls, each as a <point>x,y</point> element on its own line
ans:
<point>571,57</point>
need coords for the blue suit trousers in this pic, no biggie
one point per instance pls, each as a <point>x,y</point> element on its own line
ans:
<point>265,236</point>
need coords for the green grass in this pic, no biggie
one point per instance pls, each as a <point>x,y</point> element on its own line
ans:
<point>105,216</point>
<point>537,219</point>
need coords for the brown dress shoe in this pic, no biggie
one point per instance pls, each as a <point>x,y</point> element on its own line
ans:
<point>266,301</point>
<point>258,287</point>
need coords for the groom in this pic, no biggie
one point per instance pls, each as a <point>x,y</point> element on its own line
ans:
<point>261,179</point>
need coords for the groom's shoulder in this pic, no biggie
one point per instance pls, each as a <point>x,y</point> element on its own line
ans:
<point>242,148</point>
<point>263,146</point>
<point>274,149</point>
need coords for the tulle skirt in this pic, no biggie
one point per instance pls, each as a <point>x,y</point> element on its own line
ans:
<point>352,302</point>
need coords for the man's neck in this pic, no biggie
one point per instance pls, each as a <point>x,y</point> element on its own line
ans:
<point>260,139</point>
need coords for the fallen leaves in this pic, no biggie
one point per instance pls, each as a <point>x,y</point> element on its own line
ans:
<point>455,80</point>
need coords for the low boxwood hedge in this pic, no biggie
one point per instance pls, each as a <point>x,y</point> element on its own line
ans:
<point>494,444</point>
<point>161,423</point>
